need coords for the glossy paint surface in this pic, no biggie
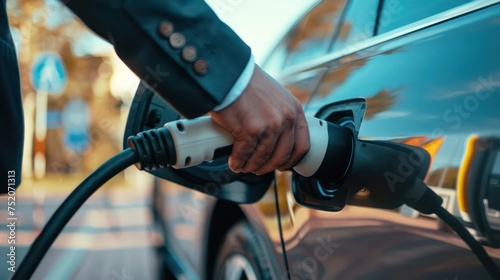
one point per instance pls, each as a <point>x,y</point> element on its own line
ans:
<point>433,88</point>
<point>436,87</point>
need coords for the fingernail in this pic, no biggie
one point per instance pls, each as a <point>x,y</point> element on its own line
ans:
<point>260,173</point>
<point>283,169</point>
<point>236,169</point>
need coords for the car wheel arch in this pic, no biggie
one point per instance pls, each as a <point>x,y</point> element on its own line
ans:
<point>225,214</point>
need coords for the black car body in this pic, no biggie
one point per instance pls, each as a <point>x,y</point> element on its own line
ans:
<point>430,72</point>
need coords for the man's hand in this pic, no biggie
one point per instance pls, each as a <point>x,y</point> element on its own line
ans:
<point>268,125</point>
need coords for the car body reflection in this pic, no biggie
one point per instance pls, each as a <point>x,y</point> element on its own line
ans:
<point>432,84</point>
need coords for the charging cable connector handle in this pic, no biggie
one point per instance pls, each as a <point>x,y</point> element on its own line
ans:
<point>202,139</point>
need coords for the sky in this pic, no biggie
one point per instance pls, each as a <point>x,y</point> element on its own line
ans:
<point>260,23</point>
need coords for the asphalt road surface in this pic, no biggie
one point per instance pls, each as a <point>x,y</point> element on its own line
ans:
<point>110,237</point>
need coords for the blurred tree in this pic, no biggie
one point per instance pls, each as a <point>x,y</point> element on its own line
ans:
<point>318,24</point>
<point>38,26</point>
<point>47,25</point>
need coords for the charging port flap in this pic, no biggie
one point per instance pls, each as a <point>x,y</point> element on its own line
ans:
<point>149,111</point>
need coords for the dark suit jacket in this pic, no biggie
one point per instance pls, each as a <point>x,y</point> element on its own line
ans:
<point>133,27</point>
<point>11,111</point>
<point>178,47</point>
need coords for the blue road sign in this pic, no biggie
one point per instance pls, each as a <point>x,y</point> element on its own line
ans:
<point>48,73</point>
<point>76,121</point>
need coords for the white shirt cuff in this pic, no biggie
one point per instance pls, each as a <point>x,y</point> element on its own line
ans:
<point>238,87</point>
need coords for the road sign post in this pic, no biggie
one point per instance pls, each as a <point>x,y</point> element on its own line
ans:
<point>48,76</point>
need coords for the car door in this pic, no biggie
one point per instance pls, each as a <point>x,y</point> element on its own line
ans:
<point>431,76</point>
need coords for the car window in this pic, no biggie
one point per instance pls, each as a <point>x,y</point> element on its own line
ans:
<point>312,36</point>
<point>397,13</point>
<point>358,23</point>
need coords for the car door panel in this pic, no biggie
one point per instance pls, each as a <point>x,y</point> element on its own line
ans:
<point>435,88</point>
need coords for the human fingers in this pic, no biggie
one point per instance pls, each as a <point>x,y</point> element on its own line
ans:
<point>281,154</point>
<point>266,144</point>
<point>243,148</point>
<point>301,143</point>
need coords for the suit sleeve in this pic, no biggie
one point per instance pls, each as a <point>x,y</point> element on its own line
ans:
<point>180,48</point>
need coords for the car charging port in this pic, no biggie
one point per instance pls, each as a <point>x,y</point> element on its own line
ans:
<point>323,194</point>
<point>343,118</point>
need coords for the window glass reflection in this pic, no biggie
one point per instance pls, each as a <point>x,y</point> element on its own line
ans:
<point>312,35</point>
<point>358,24</point>
<point>397,13</point>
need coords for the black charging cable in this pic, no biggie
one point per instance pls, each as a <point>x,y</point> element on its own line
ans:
<point>430,203</point>
<point>69,207</point>
<point>474,245</point>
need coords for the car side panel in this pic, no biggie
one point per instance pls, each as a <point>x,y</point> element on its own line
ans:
<point>432,88</point>
<point>185,215</point>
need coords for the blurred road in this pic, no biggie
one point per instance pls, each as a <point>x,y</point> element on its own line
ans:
<point>110,237</point>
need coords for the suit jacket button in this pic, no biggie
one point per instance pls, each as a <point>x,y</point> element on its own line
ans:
<point>200,67</point>
<point>189,53</point>
<point>177,40</point>
<point>166,28</point>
